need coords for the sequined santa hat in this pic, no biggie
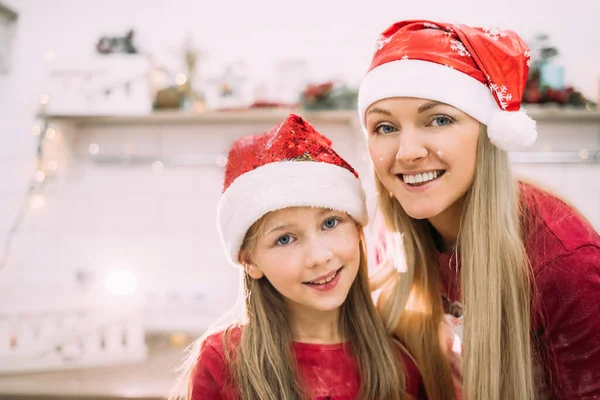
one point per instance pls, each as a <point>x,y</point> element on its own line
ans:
<point>291,166</point>
<point>480,71</point>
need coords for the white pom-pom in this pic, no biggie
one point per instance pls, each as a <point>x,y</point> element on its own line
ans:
<point>512,130</point>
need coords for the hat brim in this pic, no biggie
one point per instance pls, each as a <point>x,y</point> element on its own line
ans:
<point>426,80</point>
<point>282,185</point>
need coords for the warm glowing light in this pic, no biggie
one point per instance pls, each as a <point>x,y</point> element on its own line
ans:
<point>121,281</point>
<point>158,166</point>
<point>180,79</point>
<point>222,161</point>
<point>38,201</point>
<point>50,133</point>
<point>40,176</point>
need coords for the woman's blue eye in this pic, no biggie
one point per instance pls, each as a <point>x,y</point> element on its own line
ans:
<point>441,121</point>
<point>385,129</point>
<point>284,240</point>
<point>330,223</point>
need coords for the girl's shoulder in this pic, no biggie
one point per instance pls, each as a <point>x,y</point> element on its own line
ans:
<point>211,375</point>
<point>223,340</point>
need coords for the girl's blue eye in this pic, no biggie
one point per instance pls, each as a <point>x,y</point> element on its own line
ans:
<point>284,240</point>
<point>330,223</point>
<point>441,120</point>
<point>385,129</point>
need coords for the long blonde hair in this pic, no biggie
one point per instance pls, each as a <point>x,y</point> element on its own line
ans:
<point>262,367</point>
<point>495,285</point>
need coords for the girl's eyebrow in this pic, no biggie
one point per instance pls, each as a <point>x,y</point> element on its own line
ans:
<point>325,211</point>
<point>286,226</point>
<point>280,228</point>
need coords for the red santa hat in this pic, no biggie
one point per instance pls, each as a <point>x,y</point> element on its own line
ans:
<point>480,71</point>
<point>291,166</point>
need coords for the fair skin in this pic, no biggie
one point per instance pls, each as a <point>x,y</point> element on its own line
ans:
<point>424,153</point>
<point>311,256</point>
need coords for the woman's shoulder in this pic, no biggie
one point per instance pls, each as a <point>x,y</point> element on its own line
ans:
<point>554,229</point>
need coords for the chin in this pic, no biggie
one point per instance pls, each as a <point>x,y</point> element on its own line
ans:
<point>331,305</point>
<point>421,212</point>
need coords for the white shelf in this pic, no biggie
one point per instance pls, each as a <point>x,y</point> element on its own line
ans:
<point>209,117</point>
<point>540,113</point>
<point>276,115</point>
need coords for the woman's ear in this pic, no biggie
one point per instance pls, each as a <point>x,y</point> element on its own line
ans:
<point>251,269</point>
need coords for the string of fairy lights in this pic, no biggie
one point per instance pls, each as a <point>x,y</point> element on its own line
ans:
<point>33,196</point>
<point>47,166</point>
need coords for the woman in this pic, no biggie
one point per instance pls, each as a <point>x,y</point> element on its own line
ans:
<point>440,105</point>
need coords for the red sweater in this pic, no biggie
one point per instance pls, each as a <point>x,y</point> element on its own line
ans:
<point>328,371</point>
<point>564,252</point>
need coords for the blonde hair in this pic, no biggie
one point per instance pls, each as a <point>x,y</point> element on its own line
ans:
<point>495,285</point>
<point>263,367</point>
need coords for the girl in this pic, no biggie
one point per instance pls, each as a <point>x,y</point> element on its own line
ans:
<point>291,217</point>
<point>441,107</point>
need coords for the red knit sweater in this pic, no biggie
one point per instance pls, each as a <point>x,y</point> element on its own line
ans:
<point>564,252</point>
<point>328,371</point>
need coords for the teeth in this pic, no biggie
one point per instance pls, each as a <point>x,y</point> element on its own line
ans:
<point>326,280</point>
<point>421,178</point>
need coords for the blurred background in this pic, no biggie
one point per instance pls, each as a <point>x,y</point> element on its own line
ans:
<point>115,121</point>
